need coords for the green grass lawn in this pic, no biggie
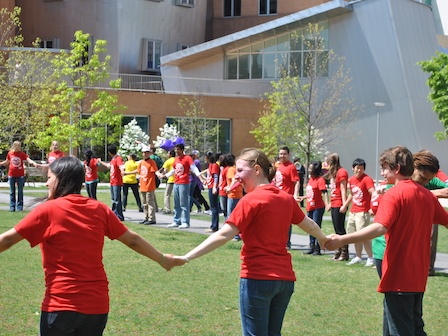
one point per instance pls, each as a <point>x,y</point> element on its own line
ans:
<point>201,298</point>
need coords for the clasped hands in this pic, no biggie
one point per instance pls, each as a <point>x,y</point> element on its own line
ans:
<point>331,242</point>
<point>169,261</point>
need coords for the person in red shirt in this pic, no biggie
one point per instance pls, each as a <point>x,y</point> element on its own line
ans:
<point>116,180</point>
<point>287,179</point>
<point>70,230</point>
<point>338,178</point>
<point>316,201</point>
<point>16,174</point>
<point>361,189</point>
<point>212,179</point>
<point>405,216</point>
<point>262,218</point>
<point>55,153</point>
<point>182,166</point>
<point>91,167</point>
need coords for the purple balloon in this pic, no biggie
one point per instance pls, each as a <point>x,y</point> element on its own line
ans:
<point>167,145</point>
<point>178,141</point>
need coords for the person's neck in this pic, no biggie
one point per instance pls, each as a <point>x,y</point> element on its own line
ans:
<point>400,177</point>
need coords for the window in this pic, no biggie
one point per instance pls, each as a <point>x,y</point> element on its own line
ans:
<point>50,44</point>
<point>152,50</point>
<point>232,8</point>
<point>297,54</point>
<point>267,7</point>
<point>185,3</point>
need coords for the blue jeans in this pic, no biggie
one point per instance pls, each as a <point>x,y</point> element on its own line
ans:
<point>214,208</point>
<point>403,314</point>
<point>263,305</point>
<point>231,204</point>
<point>91,189</point>
<point>117,206</point>
<point>316,215</point>
<point>223,206</point>
<point>70,323</point>
<point>20,181</point>
<point>181,203</point>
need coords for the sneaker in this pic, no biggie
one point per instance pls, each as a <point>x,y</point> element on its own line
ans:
<point>184,226</point>
<point>145,221</point>
<point>355,260</point>
<point>166,212</point>
<point>370,262</point>
<point>210,230</point>
<point>208,212</point>
<point>174,225</point>
<point>198,210</point>
<point>150,222</point>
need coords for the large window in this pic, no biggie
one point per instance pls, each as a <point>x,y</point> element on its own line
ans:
<point>198,133</point>
<point>232,8</point>
<point>152,50</point>
<point>267,7</point>
<point>292,54</point>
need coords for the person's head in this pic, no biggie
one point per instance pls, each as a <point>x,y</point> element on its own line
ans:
<point>253,168</point>
<point>171,153</point>
<point>230,159</point>
<point>132,157</point>
<point>315,169</point>
<point>146,152</point>
<point>54,146</point>
<point>112,150</point>
<point>153,149</point>
<point>179,149</point>
<point>16,146</point>
<point>283,154</point>
<point>426,166</point>
<point>210,157</point>
<point>396,160</point>
<point>358,166</point>
<point>333,164</point>
<point>65,176</point>
<point>195,154</point>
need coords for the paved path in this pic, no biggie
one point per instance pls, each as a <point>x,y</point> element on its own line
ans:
<point>299,242</point>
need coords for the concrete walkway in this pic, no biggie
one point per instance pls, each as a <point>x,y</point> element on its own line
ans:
<point>299,242</point>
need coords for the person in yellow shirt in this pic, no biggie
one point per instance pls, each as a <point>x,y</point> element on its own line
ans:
<point>130,181</point>
<point>167,165</point>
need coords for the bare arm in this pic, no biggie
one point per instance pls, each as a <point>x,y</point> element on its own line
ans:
<point>440,193</point>
<point>140,245</point>
<point>369,232</point>
<point>214,241</point>
<point>4,163</point>
<point>310,227</point>
<point>8,239</point>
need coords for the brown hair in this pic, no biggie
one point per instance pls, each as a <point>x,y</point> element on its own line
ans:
<point>255,156</point>
<point>398,156</point>
<point>334,165</point>
<point>425,160</point>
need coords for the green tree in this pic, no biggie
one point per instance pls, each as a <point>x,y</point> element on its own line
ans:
<point>437,67</point>
<point>308,104</point>
<point>198,131</point>
<point>85,116</point>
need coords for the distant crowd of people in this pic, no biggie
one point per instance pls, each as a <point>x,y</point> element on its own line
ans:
<point>404,205</point>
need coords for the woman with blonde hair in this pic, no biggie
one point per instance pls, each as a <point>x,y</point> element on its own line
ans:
<point>16,174</point>
<point>262,218</point>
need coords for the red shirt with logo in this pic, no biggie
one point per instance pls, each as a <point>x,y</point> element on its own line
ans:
<point>115,173</point>
<point>91,170</point>
<point>335,187</point>
<point>182,166</point>
<point>361,197</point>
<point>16,160</point>
<point>55,155</point>
<point>314,189</point>
<point>286,177</point>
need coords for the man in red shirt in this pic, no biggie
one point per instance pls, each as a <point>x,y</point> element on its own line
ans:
<point>361,189</point>
<point>405,216</point>
<point>116,180</point>
<point>287,179</point>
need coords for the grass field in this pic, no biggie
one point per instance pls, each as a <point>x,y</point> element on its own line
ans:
<point>201,298</point>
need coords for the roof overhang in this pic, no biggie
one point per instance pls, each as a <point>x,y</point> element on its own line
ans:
<point>257,33</point>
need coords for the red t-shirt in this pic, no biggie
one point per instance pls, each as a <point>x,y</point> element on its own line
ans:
<point>115,173</point>
<point>442,176</point>
<point>286,177</point>
<point>55,155</point>
<point>360,193</point>
<point>212,170</point>
<point>182,166</point>
<point>408,211</point>
<point>314,189</point>
<point>263,217</point>
<point>223,181</point>
<point>70,231</point>
<point>335,187</point>
<point>146,170</point>
<point>91,170</point>
<point>16,160</point>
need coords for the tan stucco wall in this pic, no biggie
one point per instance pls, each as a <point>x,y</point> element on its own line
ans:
<point>243,113</point>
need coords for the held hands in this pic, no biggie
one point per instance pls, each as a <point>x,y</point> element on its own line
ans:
<point>333,242</point>
<point>169,261</point>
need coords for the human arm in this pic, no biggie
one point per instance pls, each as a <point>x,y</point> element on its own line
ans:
<point>105,164</point>
<point>140,245</point>
<point>343,186</point>
<point>31,162</point>
<point>440,193</point>
<point>8,239</point>
<point>296,189</point>
<point>367,233</point>
<point>217,239</point>
<point>345,205</point>
<point>310,227</point>
<point>4,163</point>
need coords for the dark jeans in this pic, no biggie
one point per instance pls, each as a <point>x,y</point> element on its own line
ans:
<point>117,206</point>
<point>91,189</point>
<point>193,200</point>
<point>214,207</point>
<point>68,323</point>
<point>134,188</point>
<point>316,215</point>
<point>403,314</point>
<point>198,195</point>
<point>263,305</point>
<point>13,204</point>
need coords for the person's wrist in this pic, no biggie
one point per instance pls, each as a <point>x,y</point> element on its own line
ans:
<point>163,258</point>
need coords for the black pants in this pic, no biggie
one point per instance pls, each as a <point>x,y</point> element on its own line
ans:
<point>134,188</point>
<point>69,323</point>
